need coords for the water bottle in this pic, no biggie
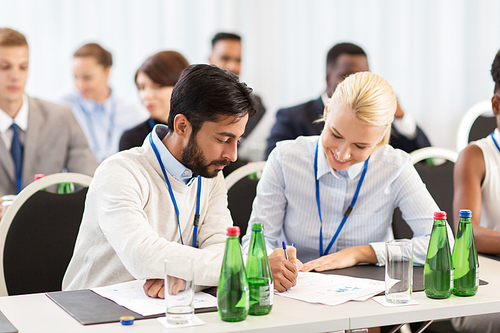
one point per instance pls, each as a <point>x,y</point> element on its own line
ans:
<point>258,271</point>
<point>232,291</point>
<point>438,270</point>
<point>465,262</point>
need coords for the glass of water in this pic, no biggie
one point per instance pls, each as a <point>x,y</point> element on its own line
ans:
<point>398,270</point>
<point>179,290</point>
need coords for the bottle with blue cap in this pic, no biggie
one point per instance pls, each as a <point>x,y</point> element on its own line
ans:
<point>465,262</point>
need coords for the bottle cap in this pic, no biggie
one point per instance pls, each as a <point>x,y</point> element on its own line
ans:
<point>257,227</point>
<point>233,231</point>
<point>127,320</point>
<point>465,213</point>
<point>440,215</point>
<point>39,175</point>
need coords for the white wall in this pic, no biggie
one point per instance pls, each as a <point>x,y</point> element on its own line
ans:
<point>436,54</point>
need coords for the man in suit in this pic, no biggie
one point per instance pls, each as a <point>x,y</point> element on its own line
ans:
<point>226,53</point>
<point>36,137</point>
<point>342,60</point>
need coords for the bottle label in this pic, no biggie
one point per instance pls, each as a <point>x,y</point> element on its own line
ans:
<point>266,295</point>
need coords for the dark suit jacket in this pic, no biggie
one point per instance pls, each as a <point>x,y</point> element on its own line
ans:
<point>299,120</point>
<point>53,141</point>
<point>135,136</point>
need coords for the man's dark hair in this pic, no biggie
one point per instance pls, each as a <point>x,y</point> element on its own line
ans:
<point>495,72</point>
<point>209,93</point>
<point>342,48</point>
<point>224,36</point>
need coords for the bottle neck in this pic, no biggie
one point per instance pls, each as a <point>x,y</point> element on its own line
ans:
<point>439,222</point>
<point>465,220</point>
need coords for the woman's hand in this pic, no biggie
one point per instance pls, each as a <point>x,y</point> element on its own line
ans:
<point>342,259</point>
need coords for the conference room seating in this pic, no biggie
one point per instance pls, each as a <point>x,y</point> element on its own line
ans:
<point>437,175</point>
<point>477,123</point>
<point>38,234</point>
<point>241,187</point>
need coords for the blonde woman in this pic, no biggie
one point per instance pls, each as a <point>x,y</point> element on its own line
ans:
<point>334,195</point>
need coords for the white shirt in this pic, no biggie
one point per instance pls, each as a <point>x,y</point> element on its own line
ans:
<point>129,225</point>
<point>490,189</point>
<point>21,119</point>
<point>286,201</point>
<point>104,123</point>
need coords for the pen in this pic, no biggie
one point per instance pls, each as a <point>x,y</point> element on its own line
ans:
<point>284,249</point>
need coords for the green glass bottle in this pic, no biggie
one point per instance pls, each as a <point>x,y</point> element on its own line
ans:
<point>465,262</point>
<point>438,270</point>
<point>259,276</point>
<point>232,291</point>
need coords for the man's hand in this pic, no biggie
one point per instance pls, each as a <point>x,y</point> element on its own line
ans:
<point>342,259</point>
<point>284,271</point>
<point>154,288</point>
<point>175,285</point>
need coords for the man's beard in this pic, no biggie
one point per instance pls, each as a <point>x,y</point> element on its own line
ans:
<point>193,159</point>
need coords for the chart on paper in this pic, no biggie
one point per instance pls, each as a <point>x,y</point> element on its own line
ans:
<point>332,289</point>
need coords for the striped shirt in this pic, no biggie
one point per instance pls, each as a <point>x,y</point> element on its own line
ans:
<point>286,201</point>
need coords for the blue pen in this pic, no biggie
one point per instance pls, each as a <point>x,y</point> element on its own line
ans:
<point>284,249</point>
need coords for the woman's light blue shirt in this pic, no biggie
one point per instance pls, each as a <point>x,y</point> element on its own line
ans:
<point>286,203</point>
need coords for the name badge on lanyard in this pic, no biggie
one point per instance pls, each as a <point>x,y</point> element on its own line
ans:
<point>172,197</point>
<point>347,212</point>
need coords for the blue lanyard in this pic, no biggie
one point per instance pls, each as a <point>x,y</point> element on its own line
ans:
<point>347,212</point>
<point>151,123</point>
<point>90,126</point>
<point>198,194</point>
<point>495,141</point>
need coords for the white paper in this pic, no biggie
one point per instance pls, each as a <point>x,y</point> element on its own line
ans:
<point>332,289</point>
<point>381,300</point>
<point>195,322</point>
<point>131,295</point>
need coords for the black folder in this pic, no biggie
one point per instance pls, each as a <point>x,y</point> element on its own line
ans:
<point>90,308</point>
<point>5,325</point>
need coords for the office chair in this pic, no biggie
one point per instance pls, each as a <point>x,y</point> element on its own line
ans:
<point>437,178</point>
<point>476,124</point>
<point>38,234</point>
<point>241,191</point>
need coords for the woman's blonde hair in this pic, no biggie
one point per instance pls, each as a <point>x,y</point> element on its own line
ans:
<point>370,97</point>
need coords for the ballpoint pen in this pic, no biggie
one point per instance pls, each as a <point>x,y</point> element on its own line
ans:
<point>284,249</point>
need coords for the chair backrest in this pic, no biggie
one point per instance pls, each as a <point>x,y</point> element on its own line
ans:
<point>438,178</point>
<point>241,190</point>
<point>477,123</point>
<point>38,234</point>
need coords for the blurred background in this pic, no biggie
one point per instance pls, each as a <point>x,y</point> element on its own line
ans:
<point>437,55</point>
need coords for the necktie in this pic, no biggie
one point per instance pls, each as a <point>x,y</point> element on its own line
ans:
<point>16,150</point>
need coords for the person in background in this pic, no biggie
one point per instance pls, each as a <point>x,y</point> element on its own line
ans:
<point>155,80</point>
<point>141,205</point>
<point>102,114</point>
<point>477,187</point>
<point>36,136</point>
<point>226,53</point>
<point>342,60</point>
<point>309,184</point>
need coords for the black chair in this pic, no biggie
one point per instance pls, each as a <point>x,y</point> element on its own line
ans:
<point>241,187</point>
<point>437,177</point>
<point>477,123</point>
<point>38,234</point>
